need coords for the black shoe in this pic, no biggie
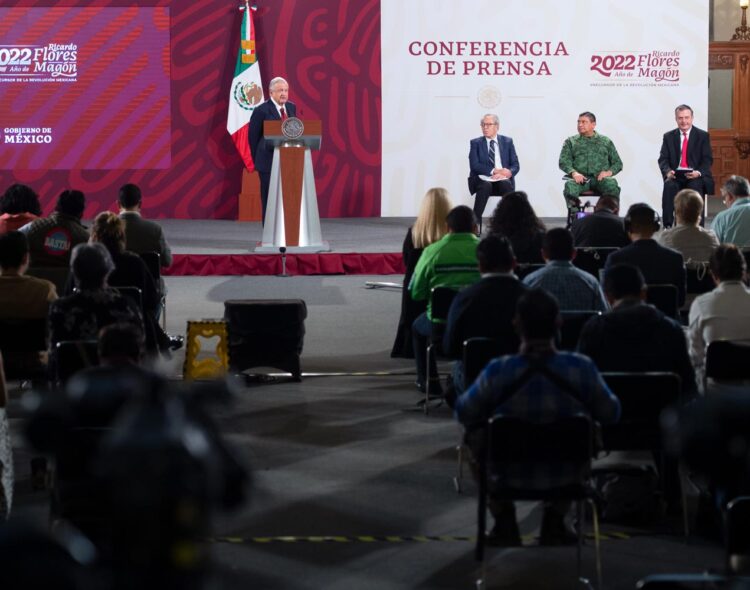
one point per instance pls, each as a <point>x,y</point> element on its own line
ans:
<point>176,342</point>
<point>555,531</point>
<point>504,535</point>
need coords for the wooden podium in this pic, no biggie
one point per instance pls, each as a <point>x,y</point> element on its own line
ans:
<point>292,219</point>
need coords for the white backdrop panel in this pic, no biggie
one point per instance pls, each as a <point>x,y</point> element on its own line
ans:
<point>429,118</point>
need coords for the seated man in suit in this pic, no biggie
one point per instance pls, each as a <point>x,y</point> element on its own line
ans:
<point>492,156</point>
<point>603,228</point>
<point>685,161</point>
<point>659,265</point>
<point>539,384</point>
<point>590,160</point>
<point>486,308</point>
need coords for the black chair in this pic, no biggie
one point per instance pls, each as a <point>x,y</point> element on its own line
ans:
<point>265,333</point>
<point>664,298</point>
<point>523,270</point>
<point>699,280</point>
<point>513,443</point>
<point>643,397</point>
<point>727,361</point>
<point>572,324</point>
<point>682,582</point>
<point>132,293</point>
<point>440,303</point>
<point>73,355</point>
<point>21,341</point>
<point>153,263</point>
<point>737,536</point>
<point>592,260</point>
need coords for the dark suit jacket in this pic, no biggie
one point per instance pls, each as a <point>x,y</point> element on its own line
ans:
<point>479,162</point>
<point>262,153</point>
<point>699,156</point>
<point>658,264</point>
<point>602,229</point>
<point>142,235</point>
<point>484,309</point>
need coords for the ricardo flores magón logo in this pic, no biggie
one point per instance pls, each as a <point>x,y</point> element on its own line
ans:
<point>53,62</point>
<point>643,68</point>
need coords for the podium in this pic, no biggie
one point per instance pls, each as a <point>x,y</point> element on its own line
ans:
<point>292,219</point>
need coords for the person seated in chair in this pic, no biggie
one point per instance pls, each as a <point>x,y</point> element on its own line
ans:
<point>687,236</point>
<point>492,156</point>
<point>487,308</point>
<point>574,289</point>
<point>449,262</point>
<point>590,160</point>
<point>539,384</point>
<point>603,228</point>
<point>21,296</point>
<point>685,161</point>
<point>659,265</point>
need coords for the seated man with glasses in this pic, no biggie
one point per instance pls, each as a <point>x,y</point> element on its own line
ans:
<point>493,164</point>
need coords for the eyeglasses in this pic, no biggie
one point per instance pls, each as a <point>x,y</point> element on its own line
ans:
<point>488,124</point>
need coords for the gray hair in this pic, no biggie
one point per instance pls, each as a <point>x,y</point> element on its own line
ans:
<point>737,186</point>
<point>91,265</point>
<point>683,107</point>
<point>495,119</point>
<point>275,81</point>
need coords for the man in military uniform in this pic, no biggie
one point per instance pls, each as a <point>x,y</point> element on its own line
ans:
<point>590,160</point>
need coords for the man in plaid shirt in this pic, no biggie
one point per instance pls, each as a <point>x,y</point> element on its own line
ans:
<point>556,385</point>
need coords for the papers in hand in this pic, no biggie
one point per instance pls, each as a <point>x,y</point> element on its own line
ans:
<point>490,179</point>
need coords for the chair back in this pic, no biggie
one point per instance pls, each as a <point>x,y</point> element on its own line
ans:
<point>523,270</point>
<point>153,263</point>
<point>440,303</point>
<point>514,440</point>
<point>592,260</point>
<point>23,335</point>
<point>664,298</point>
<point>699,280</point>
<point>643,397</point>
<point>572,324</point>
<point>57,275</point>
<point>738,535</point>
<point>73,355</point>
<point>728,361</point>
<point>477,353</point>
<point>132,293</point>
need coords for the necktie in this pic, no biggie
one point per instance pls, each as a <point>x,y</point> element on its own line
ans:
<point>283,114</point>
<point>683,158</point>
<point>492,153</point>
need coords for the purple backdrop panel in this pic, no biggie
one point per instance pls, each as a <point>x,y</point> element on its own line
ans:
<point>328,50</point>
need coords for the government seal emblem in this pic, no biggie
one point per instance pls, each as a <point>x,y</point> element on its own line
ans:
<point>292,128</point>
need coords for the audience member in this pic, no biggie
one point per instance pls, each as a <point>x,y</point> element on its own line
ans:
<point>449,262</point>
<point>131,271</point>
<point>687,236</point>
<point>19,205</point>
<point>732,226</point>
<point>542,385</point>
<point>635,336</point>
<point>724,313</point>
<point>603,228</point>
<point>142,235</point>
<point>52,239</point>
<point>514,218</point>
<point>659,265</point>
<point>486,308</point>
<point>574,289</point>
<point>21,296</point>
<point>428,228</point>
<point>81,315</point>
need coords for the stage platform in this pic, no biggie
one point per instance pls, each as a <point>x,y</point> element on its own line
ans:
<point>370,245</point>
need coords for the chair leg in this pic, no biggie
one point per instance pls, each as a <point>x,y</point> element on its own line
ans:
<point>458,480</point>
<point>428,358</point>
<point>683,498</point>
<point>579,545</point>
<point>595,521</point>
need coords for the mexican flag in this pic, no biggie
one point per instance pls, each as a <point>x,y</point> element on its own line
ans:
<point>247,89</point>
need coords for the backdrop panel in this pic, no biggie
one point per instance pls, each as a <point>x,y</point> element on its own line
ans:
<point>329,50</point>
<point>536,64</point>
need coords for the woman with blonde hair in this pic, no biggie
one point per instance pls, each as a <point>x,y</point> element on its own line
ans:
<point>428,228</point>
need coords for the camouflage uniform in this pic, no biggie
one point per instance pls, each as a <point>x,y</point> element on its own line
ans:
<point>589,156</point>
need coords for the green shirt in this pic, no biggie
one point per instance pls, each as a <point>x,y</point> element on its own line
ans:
<point>449,262</point>
<point>589,155</point>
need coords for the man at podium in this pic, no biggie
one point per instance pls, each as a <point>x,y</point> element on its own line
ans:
<point>277,108</point>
